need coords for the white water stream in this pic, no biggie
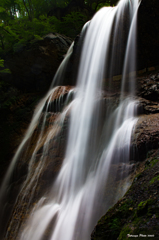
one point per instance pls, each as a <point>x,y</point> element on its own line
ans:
<point>96,162</point>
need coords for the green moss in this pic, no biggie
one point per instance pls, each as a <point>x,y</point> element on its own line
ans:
<point>154,161</point>
<point>153,210</point>
<point>137,227</point>
<point>124,232</point>
<point>139,175</point>
<point>138,212</point>
<point>126,204</point>
<point>154,179</point>
<point>151,162</point>
<point>142,207</point>
<point>115,225</point>
<point>115,222</point>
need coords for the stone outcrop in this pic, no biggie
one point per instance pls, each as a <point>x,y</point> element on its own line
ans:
<point>32,70</point>
<point>146,135</point>
<point>137,213</point>
<point>149,88</point>
<point>54,137</point>
<point>34,66</point>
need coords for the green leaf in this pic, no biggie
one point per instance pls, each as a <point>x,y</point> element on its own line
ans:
<point>5,71</point>
<point>1,63</point>
<point>2,9</point>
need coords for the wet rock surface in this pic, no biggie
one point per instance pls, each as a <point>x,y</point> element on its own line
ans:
<point>137,213</point>
<point>32,69</point>
<point>146,135</point>
<point>62,96</point>
<point>150,87</point>
<point>39,171</point>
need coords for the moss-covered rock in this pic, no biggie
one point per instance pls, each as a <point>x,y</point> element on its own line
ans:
<point>33,67</point>
<point>137,213</point>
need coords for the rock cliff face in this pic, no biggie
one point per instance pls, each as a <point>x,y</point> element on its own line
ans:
<point>137,213</point>
<point>147,129</point>
<point>32,70</point>
<point>57,134</point>
<point>34,66</point>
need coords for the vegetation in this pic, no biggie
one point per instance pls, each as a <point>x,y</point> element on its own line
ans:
<point>25,20</point>
<point>4,70</point>
<point>137,213</point>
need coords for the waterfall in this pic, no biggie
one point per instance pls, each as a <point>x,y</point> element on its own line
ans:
<point>94,172</point>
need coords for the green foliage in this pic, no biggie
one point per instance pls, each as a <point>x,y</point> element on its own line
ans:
<point>1,63</point>
<point>5,70</point>
<point>27,20</point>
<point>20,31</point>
<point>71,24</point>
<point>99,6</point>
<point>2,9</point>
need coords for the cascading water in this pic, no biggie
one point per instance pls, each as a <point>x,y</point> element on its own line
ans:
<point>96,164</point>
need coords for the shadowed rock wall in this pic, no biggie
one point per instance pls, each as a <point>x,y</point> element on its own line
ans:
<point>148,34</point>
<point>34,66</point>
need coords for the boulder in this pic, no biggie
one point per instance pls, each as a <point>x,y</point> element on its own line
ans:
<point>34,66</point>
<point>136,215</point>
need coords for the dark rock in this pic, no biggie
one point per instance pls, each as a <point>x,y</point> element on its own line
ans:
<point>59,99</point>
<point>148,34</point>
<point>52,160</point>
<point>33,68</point>
<point>138,211</point>
<point>149,88</point>
<point>146,135</point>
